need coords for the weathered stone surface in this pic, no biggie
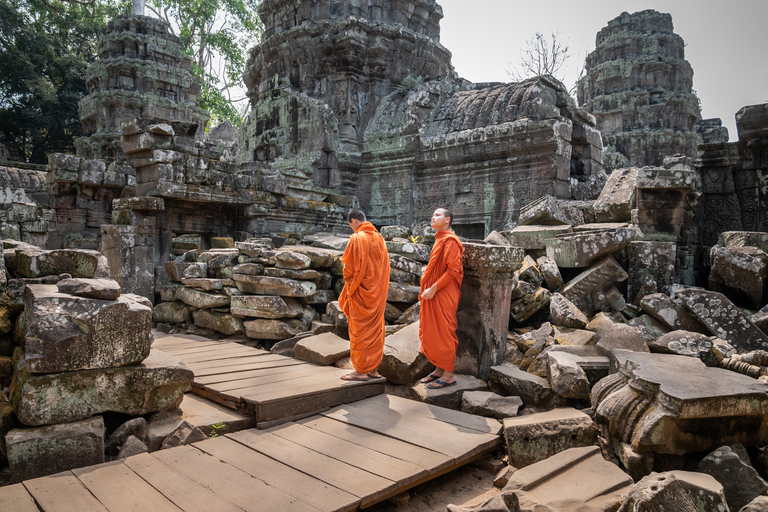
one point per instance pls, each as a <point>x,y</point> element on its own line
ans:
<point>266,306</point>
<point>224,323</point>
<point>403,362</point>
<point>307,274</point>
<point>172,313</point>
<point>263,285</point>
<point>509,380</point>
<point>664,205</point>
<point>586,289</point>
<point>618,197</point>
<point>741,274</point>
<point>485,403</point>
<point>566,369</point>
<point>132,446</point>
<point>711,401</point>
<point>448,397</point>
<point>691,492</point>
<point>80,263</point>
<point>137,428</point>
<point>399,292</point>
<point>577,250</point>
<point>612,335</point>
<point>548,211</point>
<point>410,315</point>
<point>651,268</point>
<point>723,319</point>
<point>157,383</point>
<point>758,504</point>
<point>550,273</point>
<point>292,260</point>
<point>184,434</point>
<point>564,313</point>
<point>398,262</point>
<point>36,452</point>
<point>495,238</point>
<point>262,329</point>
<point>524,308</point>
<point>105,289</point>
<point>683,343</point>
<point>575,337</point>
<point>740,481</point>
<point>250,269</point>
<point>64,332</point>
<point>418,252</point>
<point>390,232</point>
<point>534,237</point>
<point>323,349</point>
<point>206,284</point>
<point>671,313</point>
<point>200,299</point>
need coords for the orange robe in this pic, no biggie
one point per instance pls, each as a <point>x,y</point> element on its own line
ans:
<point>364,297</point>
<point>437,328</point>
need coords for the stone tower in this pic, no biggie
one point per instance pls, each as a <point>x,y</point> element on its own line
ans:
<point>639,87</point>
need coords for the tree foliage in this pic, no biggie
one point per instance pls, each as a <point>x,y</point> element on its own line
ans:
<point>542,56</point>
<point>45,49</point>
<point>217,34</point>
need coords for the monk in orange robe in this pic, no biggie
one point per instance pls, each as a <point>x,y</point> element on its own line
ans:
<point>440,294</point>
<point>364,296</point>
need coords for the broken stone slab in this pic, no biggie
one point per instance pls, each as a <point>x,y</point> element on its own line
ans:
<point>574,337</point>
<point>322,349</point>
<point>741,274</point>
<point>268,329</point>
<point>418,252</point>
<point>684,343</point>
<point>159,382</point>
<point>548,211</point>
<point>740,481</point>
<point>175,269</point>
<point>634,403</point>
<point>403,362</point>
<point>550,272</point>
<point>496,238</point>
<point>64,332</point>
<point>679,491</point>
<point>508,380</point>
<point>410,315</point>
<point>225,323</point>
<point>618,197</point>
<point>671,313</point>
<point>201,299</point>
<point>105,289</point>
<point>411,266</point>
<point>529,272</point>
<point>524,308</point>
<point>184,434</point>
<point>399,292</point>
<point>391,313</point>
<point>256,250</point>
<point>651,268</point>
<point>132,446</point>
<point>723,319</point>
<point>652,328</point>
<point>3,272</point>
<point>266,306</point>
<point>321,297</point>
<point>759,504</point>
<point>79,263</point>
<point>195,270</point>
<point>390,232</point>
<point>249,269</point>
<point>36,452</point>
<point>448,397</point>
<point>566,369</point>
<point>612,335</point>
<point>530,439</point>
<point>172,313</point>
<point>136,427</point>
<point>502,477</point>
<point>743,239</point>
<point>491,405</point>
<point>264,285</point>
<point>588,288</point>
<point>300,275</point>
<point>292,260</point>
<point>328,241</point>
<point>564,313</point>
<point>206,284</point>
<point>578,250</point>
<point>533,237</point>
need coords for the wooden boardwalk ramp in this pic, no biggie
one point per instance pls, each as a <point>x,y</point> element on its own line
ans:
<point>347,458</point>
<point>272,388</point>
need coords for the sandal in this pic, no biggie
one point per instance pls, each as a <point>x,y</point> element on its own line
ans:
<point>440,384</point>
<point>429,378</point>
<point>355,376</point>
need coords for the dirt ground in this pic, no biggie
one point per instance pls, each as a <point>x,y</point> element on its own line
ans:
<point>466,485</point>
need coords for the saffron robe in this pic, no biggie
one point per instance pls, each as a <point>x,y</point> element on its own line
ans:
<point>437,328</point>
<point>364,296</point>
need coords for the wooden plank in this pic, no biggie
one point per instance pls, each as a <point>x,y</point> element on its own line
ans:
<point>168,338</point>
<point>458,418</point>
<point>15,498</point>
<point>427,432</point>
<point>233,368</point>
<point>232,404</point>
<point>400,471</point>
<point>120,489</point>
<point>201,348</point>
<point>185,493</point>
<point>231,353</point>
<point>282,378</point>
<point>301,387</point>
<point>366,486</point>
<point>299,485</point>
<point>429,459</point>
<point>62,492</point>
<point>252,370</point>
<point>238,487</point>
<point>293,407</point>
<point>179,343</point>
<point>231,361</point>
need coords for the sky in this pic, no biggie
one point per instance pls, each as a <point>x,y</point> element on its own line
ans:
<point>726,42</point>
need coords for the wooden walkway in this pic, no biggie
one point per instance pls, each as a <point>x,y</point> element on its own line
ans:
<point>346,458</point>
<point>272,388</point>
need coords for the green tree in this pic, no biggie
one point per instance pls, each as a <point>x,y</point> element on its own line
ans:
<point>217,34</point>
<point>45,49</point>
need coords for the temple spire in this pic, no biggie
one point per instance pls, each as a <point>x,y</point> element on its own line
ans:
<point>138,7</point>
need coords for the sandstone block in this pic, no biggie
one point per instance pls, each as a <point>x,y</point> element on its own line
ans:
<point>741,274</point>
<point>618,197</point>
<point>418,252</point>
<point>172,313</point>
<point>577,250</point>
<point>132,446</point>
<point>205,284</point>
<point>65,332</point>
<point>671,313</point>
<point>157,383</point>
<point>265,306</point>
<point>399,292</point>
<point>390,232</point>
<point>322,349</point>
<point>534,237</point>
<point>664,491</point>
<point>530,439</point>
<point>612,335</point>
<point>292,260</point>
<point>683,343</point>
<point>184,434</point>
<point>137,428</point>
<point>566,369</point>
<point>524,308</point>
<point>651,268</point>
<point>195,270</point>
<point>496,238</point>
<point>549,211</point>
<point>321,297</point>
<point>448,397</point>
<point>575,337</point>
<point>486,403</point>
<point>410,315</point>
<point>398,262</point>
<point>740,481</point>
<point>105,289</point>
<point>263,285</point>
<point>550,272</point>
<point>306,274</point>
<point>82,263</point>
<point>250,269</point>
<point>403,362</point>
<point>262,329</point>
<point>758,504</point>
<point>585,289</point>
<point>200,299</point>
<point>509,380</point>
<point>564,313</point>
<point>224,323</point>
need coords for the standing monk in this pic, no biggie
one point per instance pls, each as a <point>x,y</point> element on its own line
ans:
<point>440,293</point>
<point>364,297</point>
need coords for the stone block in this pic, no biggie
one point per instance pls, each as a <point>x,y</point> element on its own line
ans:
<point>390,232</point>
<point>418,252</point>
<point>136,428</point>
<point>132,446</point>
<point>564,313</point>
<point>508,380</point>
<point>225,323</point>
<point>550,273</point>
<point>410,315</point>
<point>684,343</point>
<point>292,260</point>
<point>184,434</point>
<point>36,452</point>
<point>263,285</point>
<point>64,332</point>
<point>618,197</point>
<point>265,306</point>
<point>741,274</point>
<point>157,383</point>
<point>612,335</point>
<point>534,237</point>
<point>83,263</point>
<point>566,369</point>
<point>582,249</point>
<point>692,492</point>
<point>574,337</point>
<point>448,397</point>
<point>671,313</point>
<point>759,504</point>
<point>529,304</point>
<point>651,268</point>
<point>548,211</point>
<point>403,362</point>
<point>723,319</point>
<point>411,266</point>
<point>585,290</point>
<point>205,284</point>
<point>301,275</point>
<point>399,292</point>
<point>172,313</point>
<point>322,349</point>
<point>264,329</point>
<point>741,483</point>
<point>201,299</point>
<point>533,438</point>
<point>486,403</point>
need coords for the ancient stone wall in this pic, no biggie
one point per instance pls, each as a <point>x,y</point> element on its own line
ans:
<point>639,87</point>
